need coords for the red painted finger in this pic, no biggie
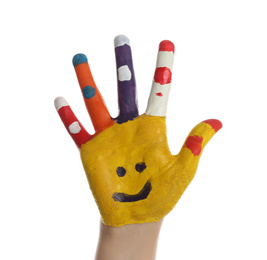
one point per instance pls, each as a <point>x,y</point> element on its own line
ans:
<point>76,130</point>
<point>93,100</point>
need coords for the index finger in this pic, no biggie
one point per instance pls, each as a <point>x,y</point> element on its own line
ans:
<point>94,102</point>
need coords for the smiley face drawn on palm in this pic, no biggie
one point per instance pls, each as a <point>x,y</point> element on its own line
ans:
<point>131,172</point>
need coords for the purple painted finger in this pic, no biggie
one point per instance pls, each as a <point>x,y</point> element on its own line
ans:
<point>126,80</point>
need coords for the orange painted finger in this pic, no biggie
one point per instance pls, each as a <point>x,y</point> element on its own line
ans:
<point>94,102</point>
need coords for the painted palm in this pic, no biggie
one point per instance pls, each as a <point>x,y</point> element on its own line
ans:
<point>132,174</point>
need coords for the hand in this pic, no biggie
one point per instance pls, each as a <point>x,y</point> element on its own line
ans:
<point>131,172</point>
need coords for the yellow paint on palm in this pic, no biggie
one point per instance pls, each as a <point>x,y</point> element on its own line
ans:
<point>132,174</point>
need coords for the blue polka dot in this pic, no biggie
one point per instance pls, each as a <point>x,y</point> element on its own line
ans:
<point>79,59</point>
<point>88,92</point>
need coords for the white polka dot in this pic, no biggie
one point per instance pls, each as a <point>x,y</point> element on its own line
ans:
<point>60,102</point>
<point>75,128</point>
<point>124,73</point>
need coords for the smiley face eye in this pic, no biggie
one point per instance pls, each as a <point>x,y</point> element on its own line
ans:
<point>140,166</point>
<point>121,171</point>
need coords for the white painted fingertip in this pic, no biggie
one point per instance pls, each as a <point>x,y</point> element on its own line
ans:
<point>60,102</point>
<point>120,40</point>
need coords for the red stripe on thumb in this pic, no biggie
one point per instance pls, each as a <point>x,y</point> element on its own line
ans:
<point>194,143</point>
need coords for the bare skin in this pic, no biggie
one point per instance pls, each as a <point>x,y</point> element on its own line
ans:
<point>129,242</point>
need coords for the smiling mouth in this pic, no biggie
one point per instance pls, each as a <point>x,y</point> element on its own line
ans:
<point>123,197</point>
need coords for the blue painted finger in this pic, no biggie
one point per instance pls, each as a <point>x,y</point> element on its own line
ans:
<point>126,80</point>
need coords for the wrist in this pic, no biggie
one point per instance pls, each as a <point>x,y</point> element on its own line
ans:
<point>135,241</point>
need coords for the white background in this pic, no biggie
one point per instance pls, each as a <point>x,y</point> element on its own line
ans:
<point>46,208</point>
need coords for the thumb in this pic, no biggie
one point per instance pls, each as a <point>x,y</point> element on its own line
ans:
<point>194,144</point>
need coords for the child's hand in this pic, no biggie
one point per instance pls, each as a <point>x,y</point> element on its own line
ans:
<point>131,172</point>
